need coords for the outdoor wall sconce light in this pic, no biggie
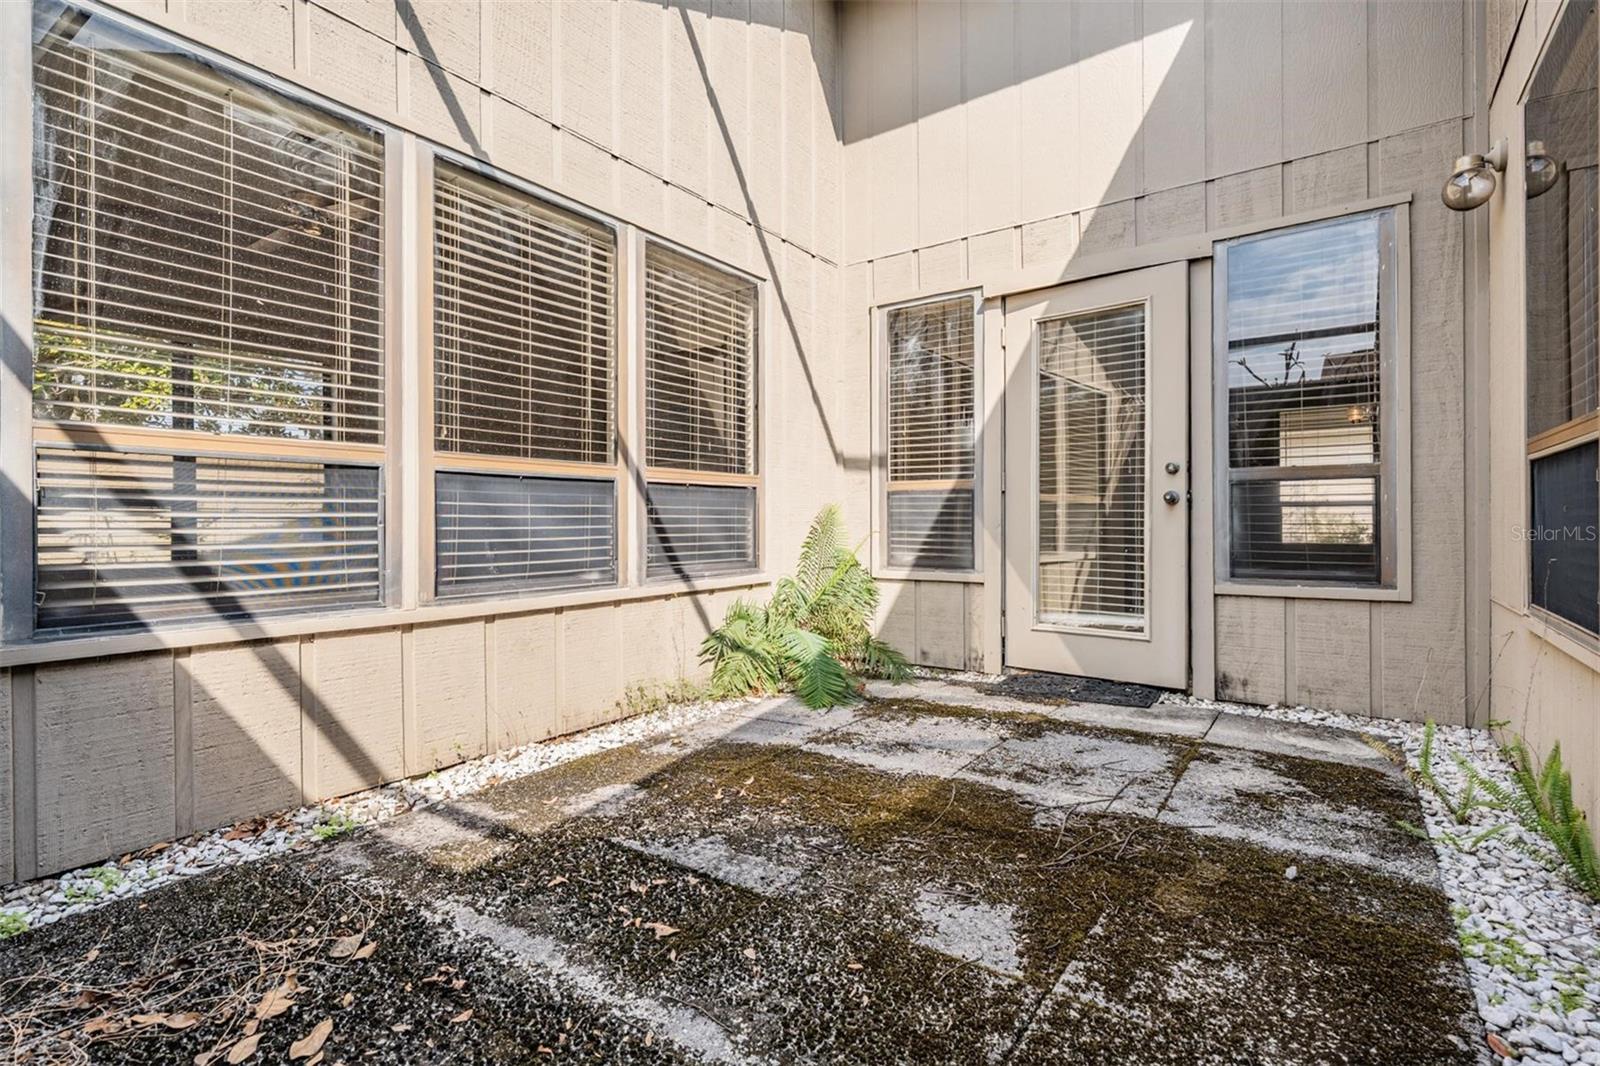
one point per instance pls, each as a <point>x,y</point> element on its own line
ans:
<point>1541,171</point>
<point>1474,179</point>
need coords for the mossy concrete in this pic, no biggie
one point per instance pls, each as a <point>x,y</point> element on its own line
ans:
<point>905,881</point>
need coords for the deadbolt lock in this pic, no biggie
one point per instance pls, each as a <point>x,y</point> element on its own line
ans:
<point>1172,497</point>
<point>1173,468</point>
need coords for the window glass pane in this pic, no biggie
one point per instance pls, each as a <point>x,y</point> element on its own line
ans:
<point>495,533</point>
<point>1325,528</point>
<point>931,357</point>
<point>1092,470</point>
<point>932,376</point>
<point>128,539</point>
<point>1303,365</point>
<point>207,254</point>
<point>1563,358</point>
<point>700,397</point>
<point>1565,535</point>
<point>523,306</point>
<point>1302,356</point>
<point>932,530</point>
<point>699,529</point>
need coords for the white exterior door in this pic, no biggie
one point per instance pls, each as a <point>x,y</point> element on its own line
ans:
<point>1097,478</point>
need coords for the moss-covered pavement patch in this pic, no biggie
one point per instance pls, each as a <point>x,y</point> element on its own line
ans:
<point>906,881</point>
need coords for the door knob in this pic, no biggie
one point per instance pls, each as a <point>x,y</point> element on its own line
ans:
<point>1172,497</point>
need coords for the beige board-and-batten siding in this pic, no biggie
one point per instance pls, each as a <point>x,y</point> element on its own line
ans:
<point>123,751</point>
<point>1545,677</point>
<point>1001,145</point>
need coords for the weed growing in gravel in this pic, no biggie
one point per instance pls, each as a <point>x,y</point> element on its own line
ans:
<point>12,923</point>
<point>334,825</point>
<point>1459,808</point>
<point>1542,801</point>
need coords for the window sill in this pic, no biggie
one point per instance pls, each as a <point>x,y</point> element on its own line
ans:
<point>1314,592</point>
<point>1570,640</point>
<point>66,649</point>
<point>891,573</point>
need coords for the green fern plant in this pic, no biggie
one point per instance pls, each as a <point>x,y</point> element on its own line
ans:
<point>813,636</point>
<point>1541,800</point>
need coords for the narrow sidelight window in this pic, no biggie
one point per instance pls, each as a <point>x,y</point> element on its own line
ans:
<point>524,392</point>
<point>932,367</point>
<point>208,374</point>
<point>1563,443</point>
<point>1307,378</point>
<point>700,417</point>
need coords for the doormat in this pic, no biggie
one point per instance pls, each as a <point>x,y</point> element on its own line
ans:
<point>1066,688</point>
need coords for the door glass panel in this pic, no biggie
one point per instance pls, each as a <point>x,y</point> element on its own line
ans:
<point>1091,561</point>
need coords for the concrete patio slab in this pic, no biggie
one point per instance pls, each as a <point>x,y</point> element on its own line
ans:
<point>905,881</point>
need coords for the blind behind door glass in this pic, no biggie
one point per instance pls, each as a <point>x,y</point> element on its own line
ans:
<point>1092,513</point>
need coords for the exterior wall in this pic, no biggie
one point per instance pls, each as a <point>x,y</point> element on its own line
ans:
<point>1009,145</point>
<point>1545,683</point>
<point>713,125</point>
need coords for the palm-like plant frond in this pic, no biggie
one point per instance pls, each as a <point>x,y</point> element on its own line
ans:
<point>814,634</point>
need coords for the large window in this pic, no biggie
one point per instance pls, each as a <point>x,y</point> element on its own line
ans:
<point>525,490</point>
<point>1307,379</point>
<point>700,417</point>
<point>208,377</point>
<point>1563,344</point>
<point>932,378</point>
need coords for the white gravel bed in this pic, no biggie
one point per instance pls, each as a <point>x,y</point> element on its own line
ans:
<point>28,905</point>
<point>1531,938</point>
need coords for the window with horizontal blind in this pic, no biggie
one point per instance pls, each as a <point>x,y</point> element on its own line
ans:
<point>1563,346</point>
<point>932,381</point>
<point>207,280</point>
<point>524,391</point>
<point>1306,375</point>
<point>700,417</point>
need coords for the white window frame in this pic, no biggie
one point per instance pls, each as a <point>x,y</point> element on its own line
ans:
<point>880,442</point>
<point>1395,400</point>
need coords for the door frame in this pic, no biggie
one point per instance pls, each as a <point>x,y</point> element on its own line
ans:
<point>1165,290</point>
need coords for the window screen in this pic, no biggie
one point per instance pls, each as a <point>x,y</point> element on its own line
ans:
<point>1565,535</point>
<point>1562,240</point>
<point>497,533</point>
<point>700,417</point>
<point>932,381</point>
<point>133,538</point>
<point>207,262</point>
<point>1563,352</point>
<point>523,312</point>
<point>1303,358</point>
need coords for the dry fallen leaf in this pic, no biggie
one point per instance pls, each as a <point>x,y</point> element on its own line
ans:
<point>365,950</point>
<point>276,1001</point>
<point>243,1049</point>
<point>345,946</point>
<point>95,1026</point>
<point>464,1016</point>
<point>400,1027</point>
<point>661,929</point>
<point>459,983</point>
<point>349,998</point>
<point>558,879</point>
<point>181,1021</point>
<point>148,1019</point>
<point>94,953</point>
<point>749,953</point>
<point>206,1058</point>
<point>852,966</point>
<point>312,1042</point>
<point>316,1059</point>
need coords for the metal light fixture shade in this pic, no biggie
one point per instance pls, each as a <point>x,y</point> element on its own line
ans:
<point>1541,172</point>
<point>1470,186</point>
<point>1472,183</point>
